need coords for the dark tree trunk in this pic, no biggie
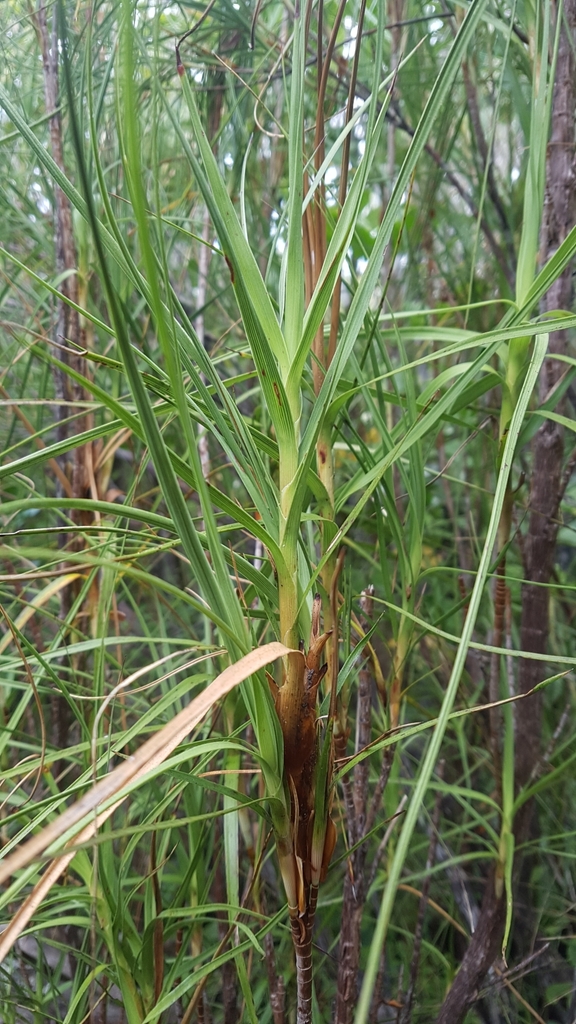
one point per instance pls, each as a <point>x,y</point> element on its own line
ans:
<point>548,444</point>
<point>349,947</point>
<point>73,477</point>
<point>540,541</point>
<point>479,957</point>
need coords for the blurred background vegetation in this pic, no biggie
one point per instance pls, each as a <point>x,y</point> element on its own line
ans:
<point>175,910</point>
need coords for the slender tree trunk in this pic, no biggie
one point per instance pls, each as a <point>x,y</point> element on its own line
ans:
<point>359,819</point>
<point>548,445</point>
<point>353,906</point>
<point>478,959</point>
<point>540,541</point>
<point>68,333</point>
<point>275,982</point>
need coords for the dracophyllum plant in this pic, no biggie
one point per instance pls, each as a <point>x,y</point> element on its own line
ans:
<point>280,350</point>
<point>282,347</point>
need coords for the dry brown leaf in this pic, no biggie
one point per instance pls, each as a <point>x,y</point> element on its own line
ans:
<point>18,923</point>
<point>151,754</point>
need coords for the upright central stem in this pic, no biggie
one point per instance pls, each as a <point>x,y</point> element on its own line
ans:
<point>291,692</point>
<point>288,542</point>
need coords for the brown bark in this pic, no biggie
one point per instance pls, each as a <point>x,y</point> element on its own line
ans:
<point>349,948</point>
<point>340,746</point>
<point>548,444</point>
<point>275,982</point>
<point>494,683</point>
<point>77,475</point>
<point>479,957</point>
<point>358,816</point>
<point>540,541</point>
<point>68,323</point>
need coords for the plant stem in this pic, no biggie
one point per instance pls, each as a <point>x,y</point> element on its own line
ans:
<point>302,938</point>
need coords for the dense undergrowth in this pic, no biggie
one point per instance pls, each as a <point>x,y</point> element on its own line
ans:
<point>287,512</point>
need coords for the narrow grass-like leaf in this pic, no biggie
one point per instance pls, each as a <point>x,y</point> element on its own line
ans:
<point>434,746</point>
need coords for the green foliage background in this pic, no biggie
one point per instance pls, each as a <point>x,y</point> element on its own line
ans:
<point>170,570</point>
